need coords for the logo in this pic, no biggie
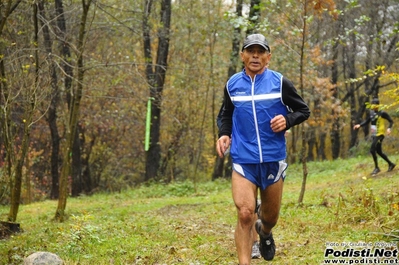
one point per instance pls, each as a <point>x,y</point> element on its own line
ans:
<point>361,253</point>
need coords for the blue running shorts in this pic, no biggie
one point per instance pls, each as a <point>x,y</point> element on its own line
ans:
<point>264,174</point>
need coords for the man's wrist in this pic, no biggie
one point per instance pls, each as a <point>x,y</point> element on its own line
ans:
<point>223,134</point>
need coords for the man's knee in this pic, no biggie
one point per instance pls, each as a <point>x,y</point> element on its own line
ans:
<point>269,221</point>
<point>269,217</point>
<point>246,216</point>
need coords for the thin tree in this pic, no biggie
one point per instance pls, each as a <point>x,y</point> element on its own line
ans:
<point>310,8</point>
<point>221,168</point>
<point>15,162</point>
<point>73,115</point>
<point>301,89</point>
<point>155,75</point>
<point>51,116</point>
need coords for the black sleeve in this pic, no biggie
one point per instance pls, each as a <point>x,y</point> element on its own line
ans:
<point>219,117</point>
<point>365,122</point>
<point>298,109</point>
<point>388,118</point>
<point>226,115</point>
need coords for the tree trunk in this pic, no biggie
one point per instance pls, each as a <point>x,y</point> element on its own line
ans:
<point>52,111</point>
<point>87,183</point>
<point>314,130</point>
<point>335,127</point>
<point>235,51</point>
<point>5,12</point>
<point>311,135</point>
<point>155,75</point>
<point>16,175</point>
<point>17,178</point>
<point>76,174</point>
<point>228,167</point>
<point>301,84</point>
<point>218,169</point>
<point>350,53</point>
<point>73,118</point>
<point>321,149</point>
<point>67,69</point>
<point>304,167</point>
<point>292,152</point>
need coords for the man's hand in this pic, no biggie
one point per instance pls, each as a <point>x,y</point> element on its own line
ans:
<point>357,126</point>
<point>222,145</point>
<point>278,123</point>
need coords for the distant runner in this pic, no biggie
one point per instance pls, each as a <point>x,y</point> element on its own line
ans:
<point>377,132</point>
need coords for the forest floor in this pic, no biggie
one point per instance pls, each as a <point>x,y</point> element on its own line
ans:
<point>193,223</point>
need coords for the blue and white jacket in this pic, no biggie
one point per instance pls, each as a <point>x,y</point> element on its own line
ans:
<point>249,105</point>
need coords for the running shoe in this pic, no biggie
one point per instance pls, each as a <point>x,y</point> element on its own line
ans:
<point>391,167</point>
<point>375,171</point>
<point>255,251</point>
<point>266,244</point>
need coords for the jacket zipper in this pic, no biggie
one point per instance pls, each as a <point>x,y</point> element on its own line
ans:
<point>256,119</point>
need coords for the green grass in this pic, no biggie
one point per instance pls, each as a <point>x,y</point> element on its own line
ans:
<point>183,223</point>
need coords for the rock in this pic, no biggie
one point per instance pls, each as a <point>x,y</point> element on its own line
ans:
<point>43,258</point>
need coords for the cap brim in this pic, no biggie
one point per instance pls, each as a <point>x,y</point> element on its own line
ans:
<point>256,43</point>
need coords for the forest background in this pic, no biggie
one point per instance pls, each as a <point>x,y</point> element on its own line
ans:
<point>78,79</point>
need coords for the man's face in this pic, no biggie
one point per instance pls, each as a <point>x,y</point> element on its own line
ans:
<point>255,59</point>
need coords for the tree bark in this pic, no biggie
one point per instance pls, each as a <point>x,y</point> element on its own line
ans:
<point>30,104</point>
<point>155,75</point>
<point>73,117</point>
<point>350,56</point>
<point>52,111</point>
<point>335,127</point>
<point>87,183</point>
<point>16,176</point>
<point>301,89</point>
<point>76,174</point>
<point>311,135</point>
<point>61,32</point>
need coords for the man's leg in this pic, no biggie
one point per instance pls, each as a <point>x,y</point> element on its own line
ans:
<point>373,150</point>
<point>382,154</point>
<point>270,206</point>
<point>244,196</point>
<point>269,213</point>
